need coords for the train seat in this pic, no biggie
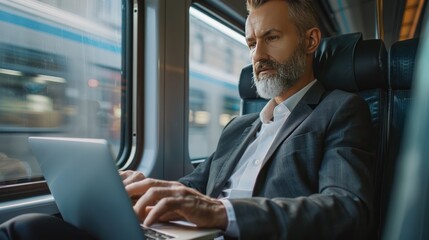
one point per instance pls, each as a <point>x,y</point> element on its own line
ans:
<point>402,57</point>
<point>351,64</point>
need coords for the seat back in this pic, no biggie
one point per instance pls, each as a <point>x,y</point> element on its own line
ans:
<point>402,56</point>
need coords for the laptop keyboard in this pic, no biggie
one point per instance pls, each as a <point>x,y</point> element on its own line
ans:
<point>153,235</point>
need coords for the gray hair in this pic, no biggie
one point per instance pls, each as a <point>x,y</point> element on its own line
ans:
<point>302,12</point>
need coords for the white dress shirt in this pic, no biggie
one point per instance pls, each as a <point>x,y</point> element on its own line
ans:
<point>243,178</point>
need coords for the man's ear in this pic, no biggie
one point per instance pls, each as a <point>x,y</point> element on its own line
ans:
<point>313,36</point>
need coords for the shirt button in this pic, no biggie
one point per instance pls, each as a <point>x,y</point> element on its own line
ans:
<point>257,162</point>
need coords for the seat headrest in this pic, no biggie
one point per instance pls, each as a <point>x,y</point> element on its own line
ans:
<point>246,88</point>
<point>402,60</point>
<point>343,62</point>
<point>351,64</point>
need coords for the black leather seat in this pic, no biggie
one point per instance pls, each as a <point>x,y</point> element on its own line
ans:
<point>402,56</point>
<point>351,64</point>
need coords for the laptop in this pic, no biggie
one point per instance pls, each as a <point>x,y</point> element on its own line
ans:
<point>83,178</point>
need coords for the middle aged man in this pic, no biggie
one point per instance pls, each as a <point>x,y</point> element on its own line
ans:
<point>299,169</point>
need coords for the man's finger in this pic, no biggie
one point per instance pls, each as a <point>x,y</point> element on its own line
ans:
<point>152,196</point>
<point>141,187</point>
<point>129,177</point>
<point>170,216</point>
<point>164,208</point>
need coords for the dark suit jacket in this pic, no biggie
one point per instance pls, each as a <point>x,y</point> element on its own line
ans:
<point>317,182</point>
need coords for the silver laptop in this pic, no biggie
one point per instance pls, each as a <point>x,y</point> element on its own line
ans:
<point>84,181</point>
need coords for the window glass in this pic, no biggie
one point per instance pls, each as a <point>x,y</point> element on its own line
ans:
<point>60,75</point>
<point>217,55</point>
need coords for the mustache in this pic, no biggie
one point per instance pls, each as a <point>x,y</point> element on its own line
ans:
<point>265,64</point>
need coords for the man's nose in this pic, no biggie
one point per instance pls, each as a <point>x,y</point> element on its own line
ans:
<point>259,52</point>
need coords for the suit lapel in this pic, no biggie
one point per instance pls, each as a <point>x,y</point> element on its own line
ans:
<point>297,116</point>
<point>225,170</point>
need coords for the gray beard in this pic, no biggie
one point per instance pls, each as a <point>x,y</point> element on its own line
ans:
<point>270,86</point>
<point>288,73</point>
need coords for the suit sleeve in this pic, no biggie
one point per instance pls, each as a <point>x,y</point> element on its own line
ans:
<point>343,206</point>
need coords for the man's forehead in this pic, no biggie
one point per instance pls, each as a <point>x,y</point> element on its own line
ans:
<point>272,15</point>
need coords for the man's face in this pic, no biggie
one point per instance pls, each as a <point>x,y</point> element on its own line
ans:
<point>277,51</point>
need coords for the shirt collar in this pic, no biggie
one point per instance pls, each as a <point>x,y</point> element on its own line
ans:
<point>272,110</point>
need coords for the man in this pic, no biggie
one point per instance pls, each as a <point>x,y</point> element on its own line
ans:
<point>301,169</point>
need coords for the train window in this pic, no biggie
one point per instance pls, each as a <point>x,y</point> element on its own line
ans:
<point>231,108</point>
<point>217,55</point>
<point>199,116</point>
<point>60,75</point>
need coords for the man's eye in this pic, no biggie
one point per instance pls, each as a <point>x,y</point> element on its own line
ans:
<point>251,45</point>
<point>272,38</point>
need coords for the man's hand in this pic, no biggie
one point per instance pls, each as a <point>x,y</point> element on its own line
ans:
<point>168,200</point>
